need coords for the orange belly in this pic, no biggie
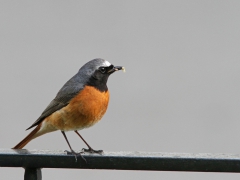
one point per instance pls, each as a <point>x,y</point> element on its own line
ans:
<point>83,111</point>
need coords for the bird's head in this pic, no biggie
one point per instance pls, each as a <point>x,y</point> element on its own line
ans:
<point>97,71</point>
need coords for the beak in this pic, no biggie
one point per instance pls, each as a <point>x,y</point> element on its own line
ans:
<point>116,68</point>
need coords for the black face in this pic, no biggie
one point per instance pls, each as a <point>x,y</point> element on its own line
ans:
<point>100,77</point>
<point>106,70</point>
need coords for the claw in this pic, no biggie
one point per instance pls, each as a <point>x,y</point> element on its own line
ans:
<point>90,150</point>
<point>75,154</point>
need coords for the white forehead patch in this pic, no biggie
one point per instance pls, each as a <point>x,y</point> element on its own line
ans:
<point>106,63</point>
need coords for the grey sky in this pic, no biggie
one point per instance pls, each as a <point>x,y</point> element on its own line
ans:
<point>181,91</point>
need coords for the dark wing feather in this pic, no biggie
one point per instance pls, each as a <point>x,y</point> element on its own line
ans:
<point>66,93</point>
<point>51,108</point>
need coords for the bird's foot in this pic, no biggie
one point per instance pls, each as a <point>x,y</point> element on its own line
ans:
<point>90,150</point>
<point>72,152</point>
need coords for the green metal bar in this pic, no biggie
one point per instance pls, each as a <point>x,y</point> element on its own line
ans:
<point>154,161</point>
<point>33,174</point>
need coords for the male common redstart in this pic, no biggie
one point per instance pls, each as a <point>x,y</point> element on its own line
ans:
<point>80,103</point>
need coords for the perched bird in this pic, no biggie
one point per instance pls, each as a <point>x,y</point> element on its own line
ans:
<point>79,104</point>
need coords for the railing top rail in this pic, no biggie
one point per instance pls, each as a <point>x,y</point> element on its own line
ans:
<point>156,161</point>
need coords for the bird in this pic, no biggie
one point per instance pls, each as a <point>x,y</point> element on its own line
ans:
<point>79,104</point>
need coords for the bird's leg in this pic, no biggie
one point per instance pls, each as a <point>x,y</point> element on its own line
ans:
<point>72,151</point>
<point>90,150</point>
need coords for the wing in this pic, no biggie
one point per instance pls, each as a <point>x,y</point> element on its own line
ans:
<point>63,97</point>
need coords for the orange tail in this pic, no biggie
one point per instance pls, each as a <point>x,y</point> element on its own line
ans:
<point>27,139</point>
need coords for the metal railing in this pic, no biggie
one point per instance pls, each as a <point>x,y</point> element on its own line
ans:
<point>34,160</point>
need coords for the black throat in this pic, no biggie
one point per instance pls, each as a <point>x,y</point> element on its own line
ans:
<point>101,85</point>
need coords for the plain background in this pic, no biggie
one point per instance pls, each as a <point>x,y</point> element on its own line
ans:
<point>181,91</point>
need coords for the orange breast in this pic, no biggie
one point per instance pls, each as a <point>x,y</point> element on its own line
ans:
<point>83,111</point>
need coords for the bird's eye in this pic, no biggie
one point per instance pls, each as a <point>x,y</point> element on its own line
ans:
<point>102,69</point>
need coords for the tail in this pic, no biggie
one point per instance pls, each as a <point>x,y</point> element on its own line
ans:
<point>27,139</point>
